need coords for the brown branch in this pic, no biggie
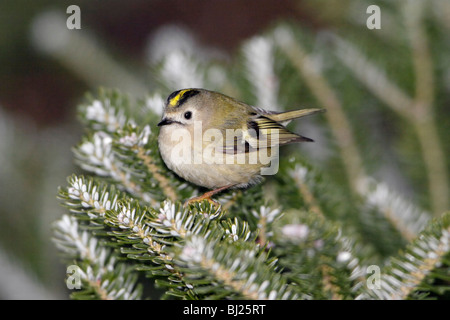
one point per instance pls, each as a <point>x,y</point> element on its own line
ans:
<point>424,121</point>
<point>154,170</point>
<point>335,114</point>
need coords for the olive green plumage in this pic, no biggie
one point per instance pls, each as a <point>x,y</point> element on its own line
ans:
<point>215,141</point>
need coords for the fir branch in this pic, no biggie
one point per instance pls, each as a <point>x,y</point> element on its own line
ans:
<point>169,228</point>
<point>328,282</point>
<point>242,203</point>
<point>426,258</point>
<point>95,154</point>
<point>181,70</point>
<point>129,219</point>
<point>95,202</point>
<point>299,175</point>
<point>304,187</point>
<point>242,271</point>
<point>404,216</point>
<point>373,77</point>
<point>441,8</point>
<point>425,124</point>
<point>259,63</point>
<point>155,103</point>
<point>98,152</point>
<point>413,14</point>
<point>236,230</point>
<point>315,255</point>
<point>100,273</point>
<point>107,112</point>
<point>265,218</point>
<point>160,231</point>
<point>420,116</point>
<point>230,201</point>
<point>147,234</point>
<point>309,69</point>
<point>85,197</point>
<point>140,233</point>
<point>172,220</point>
<point>391,29</point>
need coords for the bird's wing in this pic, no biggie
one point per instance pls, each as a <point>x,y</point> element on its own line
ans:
<point>259,132</point>
<point>274,133</point>
<point>286,117</point>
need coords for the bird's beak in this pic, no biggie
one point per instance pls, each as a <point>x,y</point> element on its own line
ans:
<point>164,122</point>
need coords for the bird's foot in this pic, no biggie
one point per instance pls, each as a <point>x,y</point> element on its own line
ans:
<point>207,196</point>
<point>200,199</point>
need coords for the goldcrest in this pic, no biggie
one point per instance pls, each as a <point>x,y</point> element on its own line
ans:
<point>217,142</point>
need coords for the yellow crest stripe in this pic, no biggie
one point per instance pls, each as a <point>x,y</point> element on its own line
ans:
<point>173,102</point>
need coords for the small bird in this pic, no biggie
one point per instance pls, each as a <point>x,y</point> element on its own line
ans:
<point>217,142</point>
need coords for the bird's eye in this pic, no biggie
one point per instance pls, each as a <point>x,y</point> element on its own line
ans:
<point>188,115</point>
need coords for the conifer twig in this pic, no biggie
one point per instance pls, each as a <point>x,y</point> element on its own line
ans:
<point>259,61</point>
<point>423,108</point>
<point>153,169</point>
<point>328,282</point>
<point>97,266</point>
<point>373,77</point>
<point>418,110</point>
<point>328,99</point>
<point>422,258</point>
<point>240,274</point>
<point>299,174</point>
<point>404,216</point>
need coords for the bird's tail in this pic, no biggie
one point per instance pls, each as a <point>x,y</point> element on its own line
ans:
<point>291,115</point>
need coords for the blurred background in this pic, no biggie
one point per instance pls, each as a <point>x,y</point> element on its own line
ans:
<point>46,70</point>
